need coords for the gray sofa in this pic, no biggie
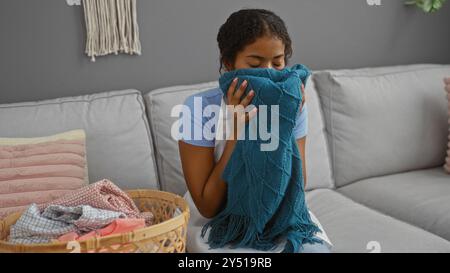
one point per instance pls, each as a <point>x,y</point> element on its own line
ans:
<point>375,150</point>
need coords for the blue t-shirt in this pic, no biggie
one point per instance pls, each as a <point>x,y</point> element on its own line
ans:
<point>214,97</point>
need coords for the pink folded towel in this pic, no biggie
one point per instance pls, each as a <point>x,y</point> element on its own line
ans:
<point>116,227</point>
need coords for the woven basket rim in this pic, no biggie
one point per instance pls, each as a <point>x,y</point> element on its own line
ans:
<point>123,238</point>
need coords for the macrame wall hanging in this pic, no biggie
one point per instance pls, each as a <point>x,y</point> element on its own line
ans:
<point>111,27</point>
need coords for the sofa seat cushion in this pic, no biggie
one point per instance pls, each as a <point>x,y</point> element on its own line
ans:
<point>352,227</point>
<point>382,121</point>
<point>118,139</point>
<point>421,198</point>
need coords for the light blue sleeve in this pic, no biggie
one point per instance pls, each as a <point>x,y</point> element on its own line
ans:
<point>301,123</point>
<point>196,123</point>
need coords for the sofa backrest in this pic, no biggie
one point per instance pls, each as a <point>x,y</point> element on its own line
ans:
<point>362,123</point>
<point>118,140</point>
<point>160,104</point>
<point>318,161</point>
<point>384,120</point>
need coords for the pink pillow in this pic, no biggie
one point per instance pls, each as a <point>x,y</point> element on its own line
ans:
<point>447,161</point>
<point>39,170</point>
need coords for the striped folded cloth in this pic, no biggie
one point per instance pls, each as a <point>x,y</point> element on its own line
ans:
<point>34,227</point>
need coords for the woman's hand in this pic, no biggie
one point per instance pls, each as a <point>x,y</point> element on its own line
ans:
<point>237,106</point>
<point>447,84</point>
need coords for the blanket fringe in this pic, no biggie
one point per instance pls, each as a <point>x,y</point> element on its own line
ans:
<point>239,231</point>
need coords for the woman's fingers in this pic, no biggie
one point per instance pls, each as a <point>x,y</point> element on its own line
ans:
<point>248,99</point>
<point>241,90</point>
<point>251,114</point>
<point>234,96</point>
<point>234,99</point>
<point>232,88</point>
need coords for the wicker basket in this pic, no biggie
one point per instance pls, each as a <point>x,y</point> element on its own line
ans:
<point>167,235</point>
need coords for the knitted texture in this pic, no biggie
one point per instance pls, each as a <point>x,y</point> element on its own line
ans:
<point>266,200</point>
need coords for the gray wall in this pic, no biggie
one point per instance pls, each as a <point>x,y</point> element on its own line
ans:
<point>42,42</point>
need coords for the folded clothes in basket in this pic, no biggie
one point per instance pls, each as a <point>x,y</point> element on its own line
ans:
<point>34,227</point>
<point>103,195</point>
<point>93,208</point>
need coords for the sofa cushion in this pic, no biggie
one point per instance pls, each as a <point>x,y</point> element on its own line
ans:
<point>355,228</point>
<point>160,104</point>
<point>39,170</point>
<point>318,163</point>
<point>419,197</point>
<point>385,120</point>
<point>118,140</point>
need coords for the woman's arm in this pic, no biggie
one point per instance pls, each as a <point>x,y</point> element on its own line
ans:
<point>302,148</point>
<point>203,176</point>
<point>302,141</point>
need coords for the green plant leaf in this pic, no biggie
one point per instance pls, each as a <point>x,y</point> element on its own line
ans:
<point>427,6</point>
<point>437,5</point>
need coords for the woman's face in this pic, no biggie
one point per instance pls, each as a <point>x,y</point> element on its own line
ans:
<point>265,52</point>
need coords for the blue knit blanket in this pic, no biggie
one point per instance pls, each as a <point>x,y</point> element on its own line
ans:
<point>266,199</point>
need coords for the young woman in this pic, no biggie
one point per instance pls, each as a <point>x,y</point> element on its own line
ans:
<point>250,38</point>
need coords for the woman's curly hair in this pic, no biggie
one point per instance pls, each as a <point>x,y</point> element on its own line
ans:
<point>244,27</point>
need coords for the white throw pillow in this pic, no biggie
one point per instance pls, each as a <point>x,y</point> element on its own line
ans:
<point>384,120</point>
